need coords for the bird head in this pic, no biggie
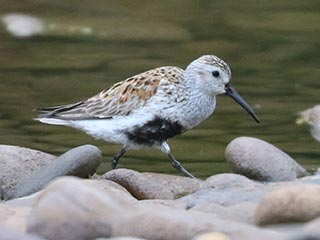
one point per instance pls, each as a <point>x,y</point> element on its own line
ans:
<point>212,76</point>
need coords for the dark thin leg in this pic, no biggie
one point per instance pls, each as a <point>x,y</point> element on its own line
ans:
<point>117,157</point>
<point>176,164</point>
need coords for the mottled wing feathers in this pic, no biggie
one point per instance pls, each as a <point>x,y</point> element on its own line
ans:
<point>121,99</point>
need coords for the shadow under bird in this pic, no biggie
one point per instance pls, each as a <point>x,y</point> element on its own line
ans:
<point>149,108</point>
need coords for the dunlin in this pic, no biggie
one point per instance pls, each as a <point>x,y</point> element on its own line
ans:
<point>149,108</point>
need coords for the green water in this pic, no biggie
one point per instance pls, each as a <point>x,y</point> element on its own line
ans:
<point>272,47</point>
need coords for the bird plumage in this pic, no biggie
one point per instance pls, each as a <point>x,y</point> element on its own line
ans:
<point>151,107</point>
<point>122,98</point>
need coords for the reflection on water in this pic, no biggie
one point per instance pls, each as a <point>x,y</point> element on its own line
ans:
<point>271,46</point>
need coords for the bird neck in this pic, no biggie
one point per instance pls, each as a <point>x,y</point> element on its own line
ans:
<point>191,76</point>
<point>199,105</point>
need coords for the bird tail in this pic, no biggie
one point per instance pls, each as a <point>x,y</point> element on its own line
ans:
<point>56,110</point>
<point>56,115</point>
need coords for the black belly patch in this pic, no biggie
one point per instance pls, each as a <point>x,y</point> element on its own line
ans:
<point>154,132</point>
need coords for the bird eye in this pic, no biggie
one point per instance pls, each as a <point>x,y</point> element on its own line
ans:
<point>216,73</point>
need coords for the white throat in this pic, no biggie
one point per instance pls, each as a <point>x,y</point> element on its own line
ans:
<point>199,105</point>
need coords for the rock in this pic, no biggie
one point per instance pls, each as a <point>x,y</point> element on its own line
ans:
<point>289,204</point>
<point>164,202</point>
<point>154,185</point>
<point>120,238</point>
<point>234,208</point>
<point>27,201</point>
<point>315,179</point>
<point>182,224</point>
<point>311,117</point>
<point>13,218</point>
<point>80,161</point>
<point>212,236</point>
<point>231,180</point>
<point>294,231</point>
<point>17,164</point>
<point>290,229</point>
<point>70,208</point>
<point>223,197</point>
<point>261,161</point>
<point>304,236</point>
<point>242,212</point>
<point>313,227</point>
<point>7,234</point>
<point>104,185</point>
<point>118,192</point>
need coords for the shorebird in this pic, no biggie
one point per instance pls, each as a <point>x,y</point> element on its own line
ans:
<point>149,108</point>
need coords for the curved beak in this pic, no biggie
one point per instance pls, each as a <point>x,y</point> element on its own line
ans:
<point>231,92</point>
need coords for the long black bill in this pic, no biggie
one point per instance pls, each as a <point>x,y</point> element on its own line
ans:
<point>230,91</point>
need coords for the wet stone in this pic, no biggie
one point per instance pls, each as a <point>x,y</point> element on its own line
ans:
<point>14,218</point>
<point>223,197</point>
<point>154,185</point>
<point>9,234</point>
<point>289,204</point>
<point>75,209</point>
<point>261,161</point>
<point>17,164</point>
<point>81,162</point>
